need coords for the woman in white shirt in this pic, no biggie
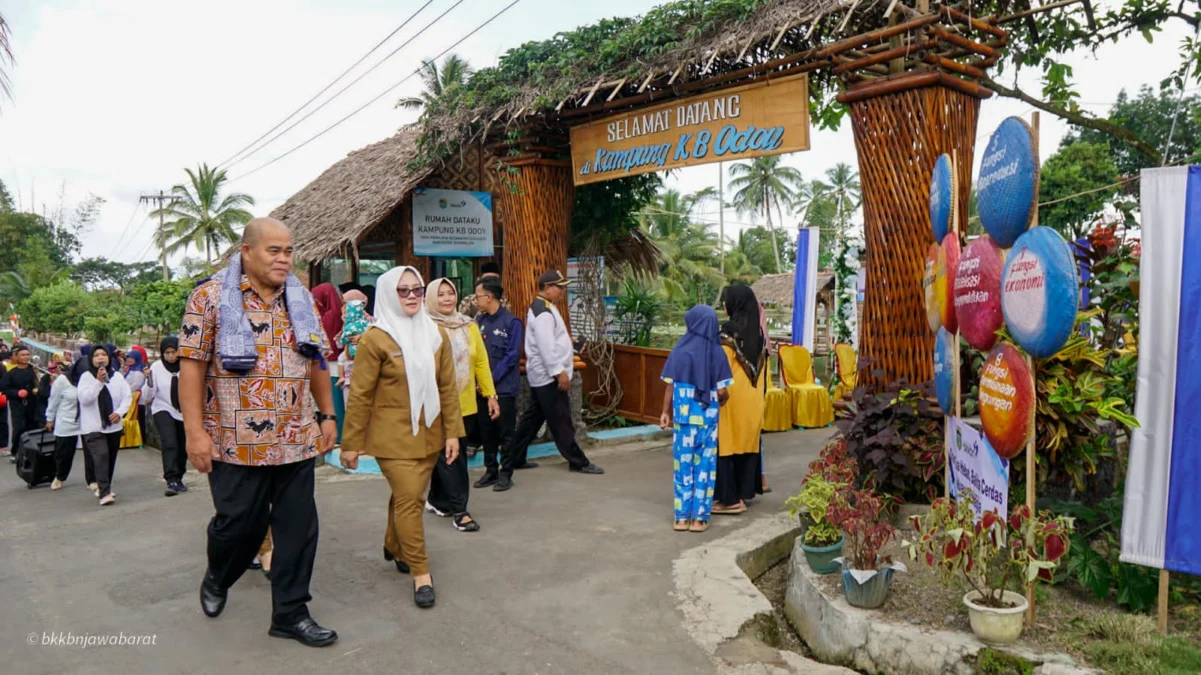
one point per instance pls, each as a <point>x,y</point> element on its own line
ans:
<point>104,399</point>
<point>162,393</point>
<point>62,417</point>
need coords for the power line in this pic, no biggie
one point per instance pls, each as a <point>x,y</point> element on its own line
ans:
<point>137,207</point>
<point>381,95</point>
<point>348,86</point>
<point>332,83</point>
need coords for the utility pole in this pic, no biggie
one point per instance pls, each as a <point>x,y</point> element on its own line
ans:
<point>160,199</point>
<point>721,212</point>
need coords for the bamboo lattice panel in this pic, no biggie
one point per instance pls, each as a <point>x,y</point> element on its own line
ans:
<point>537,216</point>
<point>898,137</point>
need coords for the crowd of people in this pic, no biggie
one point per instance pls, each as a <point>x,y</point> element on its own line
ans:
<point>244,394</point>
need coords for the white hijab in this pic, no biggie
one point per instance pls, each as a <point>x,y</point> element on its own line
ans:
<point>418,338</point>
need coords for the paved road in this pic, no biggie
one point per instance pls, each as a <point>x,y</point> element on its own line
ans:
<point>570,574</point>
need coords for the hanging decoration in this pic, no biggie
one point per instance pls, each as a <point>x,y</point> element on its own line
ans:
<point>846,274</point>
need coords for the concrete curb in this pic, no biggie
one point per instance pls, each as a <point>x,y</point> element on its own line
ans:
<point>720,604</point>
<point>863,639</point>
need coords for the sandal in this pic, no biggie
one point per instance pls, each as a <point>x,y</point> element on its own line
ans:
<point>729,510</point>
<point>465,523</point>
<point>699,526</point>
<point>681,525</point>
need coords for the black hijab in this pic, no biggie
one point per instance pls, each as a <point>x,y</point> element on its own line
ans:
<point>743,327</point>
<point>105,402</point>
<point>171,342</point>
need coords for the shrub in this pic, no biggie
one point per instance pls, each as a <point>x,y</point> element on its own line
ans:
<point>817,495</point>
<point>861,516</point>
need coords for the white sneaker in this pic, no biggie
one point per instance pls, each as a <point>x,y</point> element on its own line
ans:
<point>56,485</point>
<point>430,507</point>
<point>108,499</point>
<point>95,488</point>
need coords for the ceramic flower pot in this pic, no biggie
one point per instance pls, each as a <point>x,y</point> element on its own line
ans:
<point>998,626</point>
<point>821,558</point>
<point>870,594</point>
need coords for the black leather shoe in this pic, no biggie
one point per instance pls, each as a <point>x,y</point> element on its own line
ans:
<point>401,566</point>
<point>527,465</point>
<point>424,597</point>
<point>590,469</point>
<point>212,599</point>
<point>502,484</point>
<point>487,480</point>
<point>306,631</point>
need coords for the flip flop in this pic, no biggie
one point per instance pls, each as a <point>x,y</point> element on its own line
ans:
<point>731,511</point>
<point>681,525</point>
<point>699,526</point>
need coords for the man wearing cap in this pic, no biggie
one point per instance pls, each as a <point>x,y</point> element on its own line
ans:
<point>548,367</point>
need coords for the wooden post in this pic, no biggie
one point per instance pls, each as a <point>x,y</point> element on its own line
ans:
<point>1031,461</point>
<point>1161,608</point>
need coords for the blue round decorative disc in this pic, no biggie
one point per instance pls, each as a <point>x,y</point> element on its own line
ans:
<point>1040,292</point>
<point>1008,182</point>
<point>944,370</point>
<point>940,197</point>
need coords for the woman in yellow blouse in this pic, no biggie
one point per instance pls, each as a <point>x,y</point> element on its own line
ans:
<point>450,484</point>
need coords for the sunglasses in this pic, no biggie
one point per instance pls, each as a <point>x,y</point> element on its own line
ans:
<point>416,292</point>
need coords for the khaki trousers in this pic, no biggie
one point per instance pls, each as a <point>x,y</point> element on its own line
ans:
<point>405,536</point>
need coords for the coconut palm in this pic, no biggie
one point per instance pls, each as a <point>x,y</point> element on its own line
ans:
<point>198,215</point>
<point>764,184</point>
<point>690,250</point>
<point>843,187</point>
<point>454,72</point>
<point>6,57</point>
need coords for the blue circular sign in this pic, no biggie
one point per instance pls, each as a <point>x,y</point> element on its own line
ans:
<point>1008,183</point>
<point>1040,292</point>
<point>941,191</point>
<point>944,370</point>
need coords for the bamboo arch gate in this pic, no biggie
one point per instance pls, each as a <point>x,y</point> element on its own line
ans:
<point>913,90</point>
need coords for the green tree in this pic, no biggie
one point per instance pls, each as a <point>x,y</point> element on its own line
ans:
<point>101,273</point>
<point>160,304</point>
<point>822,213</point>
<point>1077,169</point>
<point>6,200</point>
<point>1153,116</point>
<point>756,245</point>
<point>200,216</point>
<point>62,307</point>
<point>843,187</point>
<point>764,184</point>
<point>690,250</point>
<point>436,81</point>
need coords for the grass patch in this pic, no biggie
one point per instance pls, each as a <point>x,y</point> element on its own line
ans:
<point>992,662</point>
<point>1159,655</point>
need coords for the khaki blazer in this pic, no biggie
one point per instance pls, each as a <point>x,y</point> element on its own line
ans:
<point>378,421</point>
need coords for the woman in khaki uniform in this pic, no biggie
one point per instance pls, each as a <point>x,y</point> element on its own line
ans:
<point>403,410</point>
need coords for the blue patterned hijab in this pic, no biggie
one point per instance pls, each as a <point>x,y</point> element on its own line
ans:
<point>697,359</point>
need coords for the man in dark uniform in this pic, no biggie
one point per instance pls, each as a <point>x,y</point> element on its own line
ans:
<point>502,333</point>
<point>548,366</point>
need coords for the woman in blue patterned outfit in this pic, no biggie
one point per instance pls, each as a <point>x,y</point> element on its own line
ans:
<point>698,373</point>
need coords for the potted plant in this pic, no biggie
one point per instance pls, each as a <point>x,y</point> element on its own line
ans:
<point>992,554</point>
<point>821,541</point>
<point>866,575</point>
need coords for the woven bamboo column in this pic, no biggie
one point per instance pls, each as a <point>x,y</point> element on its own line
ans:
<point>535,207</point>
<point>898,136</point>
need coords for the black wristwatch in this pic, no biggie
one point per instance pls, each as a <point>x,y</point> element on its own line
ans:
<point>326,418</point>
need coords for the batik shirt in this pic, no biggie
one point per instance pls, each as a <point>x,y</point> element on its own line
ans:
<point>263,417</point>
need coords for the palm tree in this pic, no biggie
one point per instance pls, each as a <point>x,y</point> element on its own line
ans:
<point>844,188</point>
<point>199,216</point>
<point>6,56</point>
<point>761,185</point>
<point>454,72</point>
<point>689,249</point>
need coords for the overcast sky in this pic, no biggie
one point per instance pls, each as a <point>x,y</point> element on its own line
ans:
<point>116,98</point>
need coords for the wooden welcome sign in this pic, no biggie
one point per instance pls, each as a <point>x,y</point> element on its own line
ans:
<point>765,118</point>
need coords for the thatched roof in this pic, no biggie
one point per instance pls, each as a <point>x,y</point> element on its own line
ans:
<point>351,197</point>
<point>777,289</point>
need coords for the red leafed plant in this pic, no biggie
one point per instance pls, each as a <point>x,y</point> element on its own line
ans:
<point>835,463</point>
<point>861,516</point>
<point>991,552</point>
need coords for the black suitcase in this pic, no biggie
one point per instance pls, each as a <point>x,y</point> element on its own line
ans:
<point>35,458</point>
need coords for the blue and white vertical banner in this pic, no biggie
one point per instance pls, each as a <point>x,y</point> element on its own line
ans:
<point>804,289</point>
<point>1163,484</point>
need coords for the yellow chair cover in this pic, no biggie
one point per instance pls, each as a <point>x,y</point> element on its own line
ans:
<point>777,415</point>
<point>848,371</point>
<point>811,404</point>
<point>132,436</point>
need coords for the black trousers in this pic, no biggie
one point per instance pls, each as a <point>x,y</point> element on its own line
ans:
<point>4,429</point>
<point>103,449</point>
<point>248,499</point>
<point>450,486</point>
<point>497,435</point>
<point>22,421</point>
<point>174,442</point>
<point>548,404</point>
<point>64,456</point>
